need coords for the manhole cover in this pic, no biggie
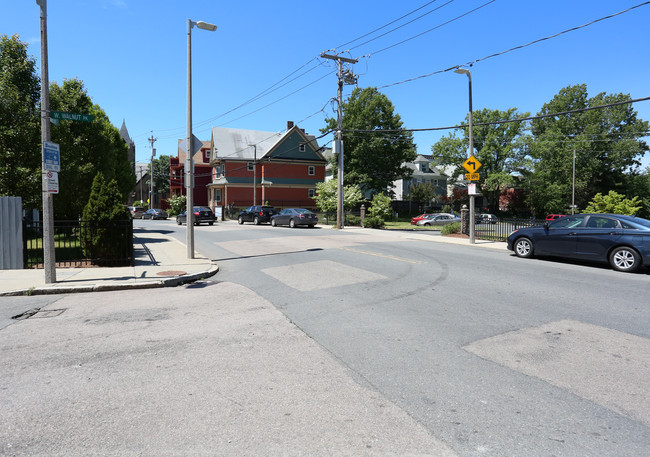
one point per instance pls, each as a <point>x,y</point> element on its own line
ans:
<point>172,273</point>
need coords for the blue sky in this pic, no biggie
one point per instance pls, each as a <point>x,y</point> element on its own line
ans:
<point>131,55</point>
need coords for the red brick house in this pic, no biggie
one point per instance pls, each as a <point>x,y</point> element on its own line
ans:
<point>252,167</point>
<point>202,173</point>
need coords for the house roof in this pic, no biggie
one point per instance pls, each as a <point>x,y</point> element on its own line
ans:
<point>236,144</point>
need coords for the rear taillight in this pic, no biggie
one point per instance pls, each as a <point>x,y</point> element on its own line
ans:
<point>261,213</point>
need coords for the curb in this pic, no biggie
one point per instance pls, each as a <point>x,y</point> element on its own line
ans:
<point>158,283</point>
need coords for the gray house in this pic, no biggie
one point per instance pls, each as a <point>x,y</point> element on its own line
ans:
<point>423,172</point>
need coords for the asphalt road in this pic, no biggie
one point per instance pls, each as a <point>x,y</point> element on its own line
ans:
<point>495,355</point>
<point>491,354</point>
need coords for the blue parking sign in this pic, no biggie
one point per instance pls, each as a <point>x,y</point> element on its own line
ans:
<point>51,157</point>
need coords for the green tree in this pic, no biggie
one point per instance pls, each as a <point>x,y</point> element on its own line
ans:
<point>20,153</point>
<point>500,147</point>
<point>422,193</point>
<point>614,203</point>
<point>607,143</point>
<point>107,233</point>
<point>381,206</point>
<point>326,197</point>
<point>373,161</point>
<point>161,175</point>
<point>87,148</point>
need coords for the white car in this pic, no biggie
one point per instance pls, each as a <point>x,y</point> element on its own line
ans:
<point>438,220</point>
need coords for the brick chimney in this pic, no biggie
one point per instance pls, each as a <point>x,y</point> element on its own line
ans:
<point>289,125</point>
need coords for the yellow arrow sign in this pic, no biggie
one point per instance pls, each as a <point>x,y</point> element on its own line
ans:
<point>471,164</point>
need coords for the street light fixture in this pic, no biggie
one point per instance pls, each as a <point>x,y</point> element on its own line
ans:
<point>464,71</point>
<point>189,159</point>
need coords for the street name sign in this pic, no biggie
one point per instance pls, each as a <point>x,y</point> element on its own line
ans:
<point>471,164</point>
<point>51,157</point>
<point>62,116</point>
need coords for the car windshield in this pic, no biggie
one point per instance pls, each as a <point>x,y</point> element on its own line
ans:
<point>302,211</point>
<point>567,222</point>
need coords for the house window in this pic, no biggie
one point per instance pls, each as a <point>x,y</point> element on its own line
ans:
<point>250,166</point>
<point>311,170</point>
<point>206,155</point>
<point>301,148</point>
<point>218,172</point>
<point>311,193</point>
<point>217,195</point>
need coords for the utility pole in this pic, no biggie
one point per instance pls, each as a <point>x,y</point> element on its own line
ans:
<point>254,173</point>
<point>348,77</point>
<point>49,259</point>
<point>152,140</point>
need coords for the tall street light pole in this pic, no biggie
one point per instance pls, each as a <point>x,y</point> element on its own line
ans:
<point>189,159</point>
<point>470,152</point>
<point>49,260</point>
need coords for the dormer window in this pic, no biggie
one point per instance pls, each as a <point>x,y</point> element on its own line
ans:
<point>301,148</point>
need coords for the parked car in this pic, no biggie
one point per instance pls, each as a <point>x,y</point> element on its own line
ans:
<point>136,212</point>
<point>201,214</point>
<point>256,214</point>
<point>486,218</point>
<point>552,217</point>
<point>416,219</point>
<point>438,220</point>
<point>155,213</point>
<point>621,241</point>
<point>294,217</point>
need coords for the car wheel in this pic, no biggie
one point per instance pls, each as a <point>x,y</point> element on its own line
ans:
<point>256,221</point>
<point>240,220</point>
<point>178,221</point>
<point>292,223</point>
<point>524,247</point>
<point>311,226</point>
<point>273,223</point>
<point>624,259</point>
<point>210,223</point>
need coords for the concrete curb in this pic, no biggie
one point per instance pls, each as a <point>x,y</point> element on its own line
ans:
<point>154,283</point>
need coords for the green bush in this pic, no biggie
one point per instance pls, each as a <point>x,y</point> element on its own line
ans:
<point>373,222</point>
<point>108,231</point>
<point>450,228</point>
<point>351,219</point>
<point>177,204</point>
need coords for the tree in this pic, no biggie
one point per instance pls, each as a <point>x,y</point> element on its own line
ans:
<point>326,197</point>
<point>20,153</point>
<point>607,145</point>
<point>423,193</point>
<point>87,148</point>
<point>161,175</point>
<point>500,147</point>
<point>381,206</point>
<point>373,161</point>
<point>614,203</point>
<point>177,204</point>
<point>107,233</point>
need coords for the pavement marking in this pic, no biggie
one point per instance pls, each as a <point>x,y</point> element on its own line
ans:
<point>322,274</point>
<point>385,256</point>
<point>608,367</point>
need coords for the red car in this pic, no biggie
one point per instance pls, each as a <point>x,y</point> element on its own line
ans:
<point>415,220</point>
<point>552,217</point>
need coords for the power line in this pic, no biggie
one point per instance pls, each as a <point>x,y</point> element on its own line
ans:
<point>507,121</point>
<point>469,64</point>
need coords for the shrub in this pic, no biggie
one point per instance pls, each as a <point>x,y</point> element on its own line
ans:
<point>381,207</point>
<point>450,228</point>
<point>177,204</point>
<point>108,232</point>
<point>373,222</point>
<point>351,219</point>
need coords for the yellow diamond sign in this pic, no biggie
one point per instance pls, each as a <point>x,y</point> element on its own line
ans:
<point>471,164</point>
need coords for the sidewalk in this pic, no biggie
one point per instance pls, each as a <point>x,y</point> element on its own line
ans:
<point>160,261</point>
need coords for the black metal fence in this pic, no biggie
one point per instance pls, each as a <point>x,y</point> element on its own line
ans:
<point>503,228</point>
<point>80,243</point>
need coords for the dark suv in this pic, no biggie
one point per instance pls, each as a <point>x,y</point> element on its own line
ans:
<point>256,214</point>
<point>201,214</point>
